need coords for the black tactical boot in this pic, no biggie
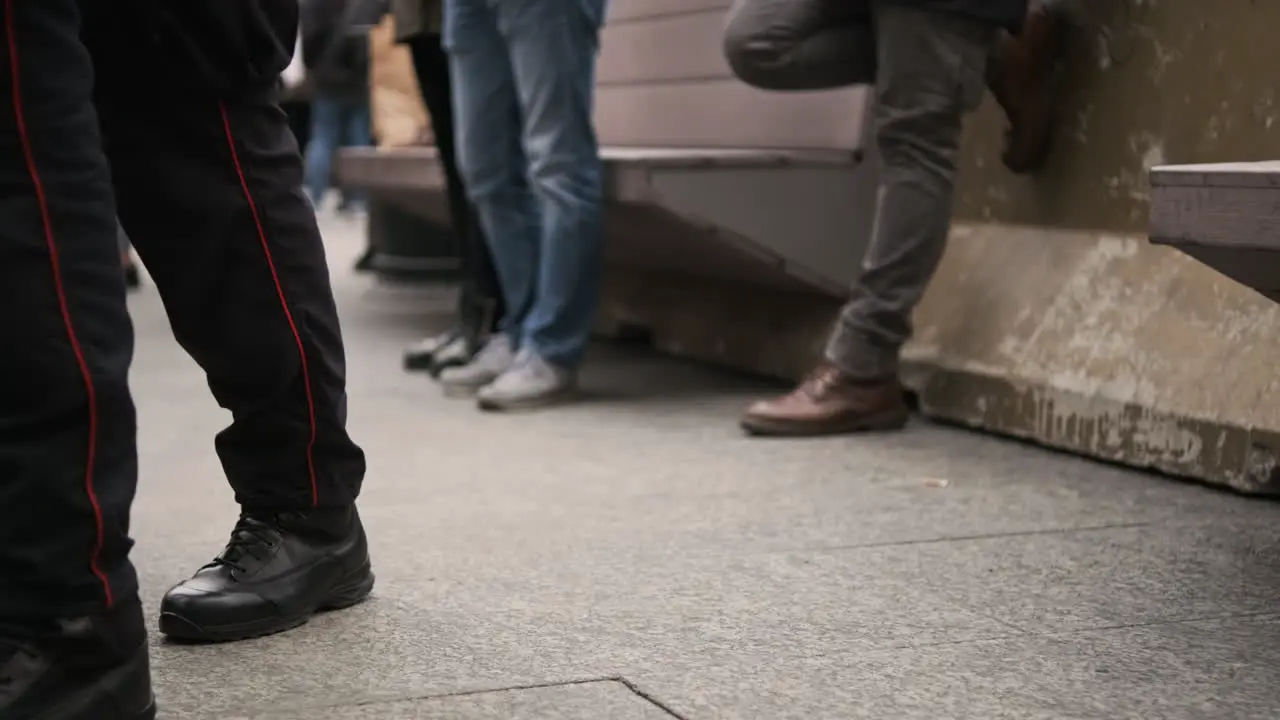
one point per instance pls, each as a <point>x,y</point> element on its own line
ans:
<point>85,668</point>
<point>278,570</point>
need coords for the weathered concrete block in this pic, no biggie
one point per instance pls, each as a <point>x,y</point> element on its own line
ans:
<point>1090,342</point>
<point>1104,345</point>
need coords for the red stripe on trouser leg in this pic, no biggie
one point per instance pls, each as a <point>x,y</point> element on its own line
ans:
<point>284,304</point>
<point>91,395</point>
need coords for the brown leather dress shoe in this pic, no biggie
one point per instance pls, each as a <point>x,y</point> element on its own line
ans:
<point>829,402</point>
<point>1021,77</point>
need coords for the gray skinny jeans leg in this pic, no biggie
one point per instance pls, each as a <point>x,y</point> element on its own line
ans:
<point>930,73</point>
<point>801,44</point>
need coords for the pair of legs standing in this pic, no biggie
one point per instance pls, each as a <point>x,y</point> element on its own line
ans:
<point>336,122</point>
<point>205,179</point>
<point>523,81</point>
<point>480,304</point>
<point>927,70</point>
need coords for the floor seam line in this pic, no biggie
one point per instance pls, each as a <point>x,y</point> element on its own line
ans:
<point>958,538</point>
<point>393,699</point>
<point>649,698</point>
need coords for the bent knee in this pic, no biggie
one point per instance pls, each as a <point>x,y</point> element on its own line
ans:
<point>758,61</point>
<point>570,178</point>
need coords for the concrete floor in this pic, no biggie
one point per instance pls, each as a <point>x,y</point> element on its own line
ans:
<point>635,558</point>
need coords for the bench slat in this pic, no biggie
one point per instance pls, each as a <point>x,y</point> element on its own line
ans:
<point>726,113</point>
<point>670,48</point>
<point>1237,174</point>
<point>1227,205</point>
<point>418,168</point>
<point>662,81</point>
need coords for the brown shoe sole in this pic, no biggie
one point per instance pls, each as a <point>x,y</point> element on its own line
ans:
<point>888,420</point>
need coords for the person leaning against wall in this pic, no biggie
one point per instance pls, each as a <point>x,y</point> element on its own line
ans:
<point>928,61</point>
<point>480,307</point>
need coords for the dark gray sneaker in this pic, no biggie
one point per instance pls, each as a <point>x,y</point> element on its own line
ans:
<point>422,354</point>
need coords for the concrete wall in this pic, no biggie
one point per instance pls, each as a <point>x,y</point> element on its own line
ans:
<point>1052,318</point>
<point>1148,82</point>
<point>1102,344</point>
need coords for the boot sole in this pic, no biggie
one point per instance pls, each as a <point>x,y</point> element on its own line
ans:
<point>880,422</point>
<point>352,590</point>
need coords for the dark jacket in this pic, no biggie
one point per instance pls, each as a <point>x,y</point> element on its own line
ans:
<point>226,48</point>
<point>415,18</point>
<point>1004,13</point>
<point>335,47</point>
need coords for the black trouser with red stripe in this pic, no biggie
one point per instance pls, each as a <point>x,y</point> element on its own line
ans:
<point>206,180</point>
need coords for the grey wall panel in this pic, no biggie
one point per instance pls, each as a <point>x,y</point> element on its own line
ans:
<point>624,10</point>
<point>673,47</point>
<point>727,114</point>
<point>650,237</point>
<point>817,219</point>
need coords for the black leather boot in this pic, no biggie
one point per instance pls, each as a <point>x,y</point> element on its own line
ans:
<point>85,668</point>
<point>278,570</point>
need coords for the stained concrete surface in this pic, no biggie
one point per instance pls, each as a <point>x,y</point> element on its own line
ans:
<point>634,557</point>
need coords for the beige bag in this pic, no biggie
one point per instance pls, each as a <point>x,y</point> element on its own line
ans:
<point>398,113</point>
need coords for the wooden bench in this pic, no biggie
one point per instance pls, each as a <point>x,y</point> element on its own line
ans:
<point>1225,215</point>
<point>704,175</point>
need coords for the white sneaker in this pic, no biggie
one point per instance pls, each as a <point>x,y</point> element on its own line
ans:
<point>530,383</point>
<point>494,359</point>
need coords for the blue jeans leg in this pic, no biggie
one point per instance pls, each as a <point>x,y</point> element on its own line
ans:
<point>552,46</point>
<point>326,135</point>
<point>490,157</point>
<point>357,133</point>
<point>358,124</point>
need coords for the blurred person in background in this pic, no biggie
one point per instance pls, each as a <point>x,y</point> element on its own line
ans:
<point>335,55</point>
<point>523,82</point>
<point>480,306</point>
<point>928,62</point>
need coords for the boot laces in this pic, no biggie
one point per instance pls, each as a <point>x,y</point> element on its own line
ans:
<point>251,538</point>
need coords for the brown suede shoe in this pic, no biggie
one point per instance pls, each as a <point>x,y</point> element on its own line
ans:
<point>828,402</point>
<point>1021,78</point>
